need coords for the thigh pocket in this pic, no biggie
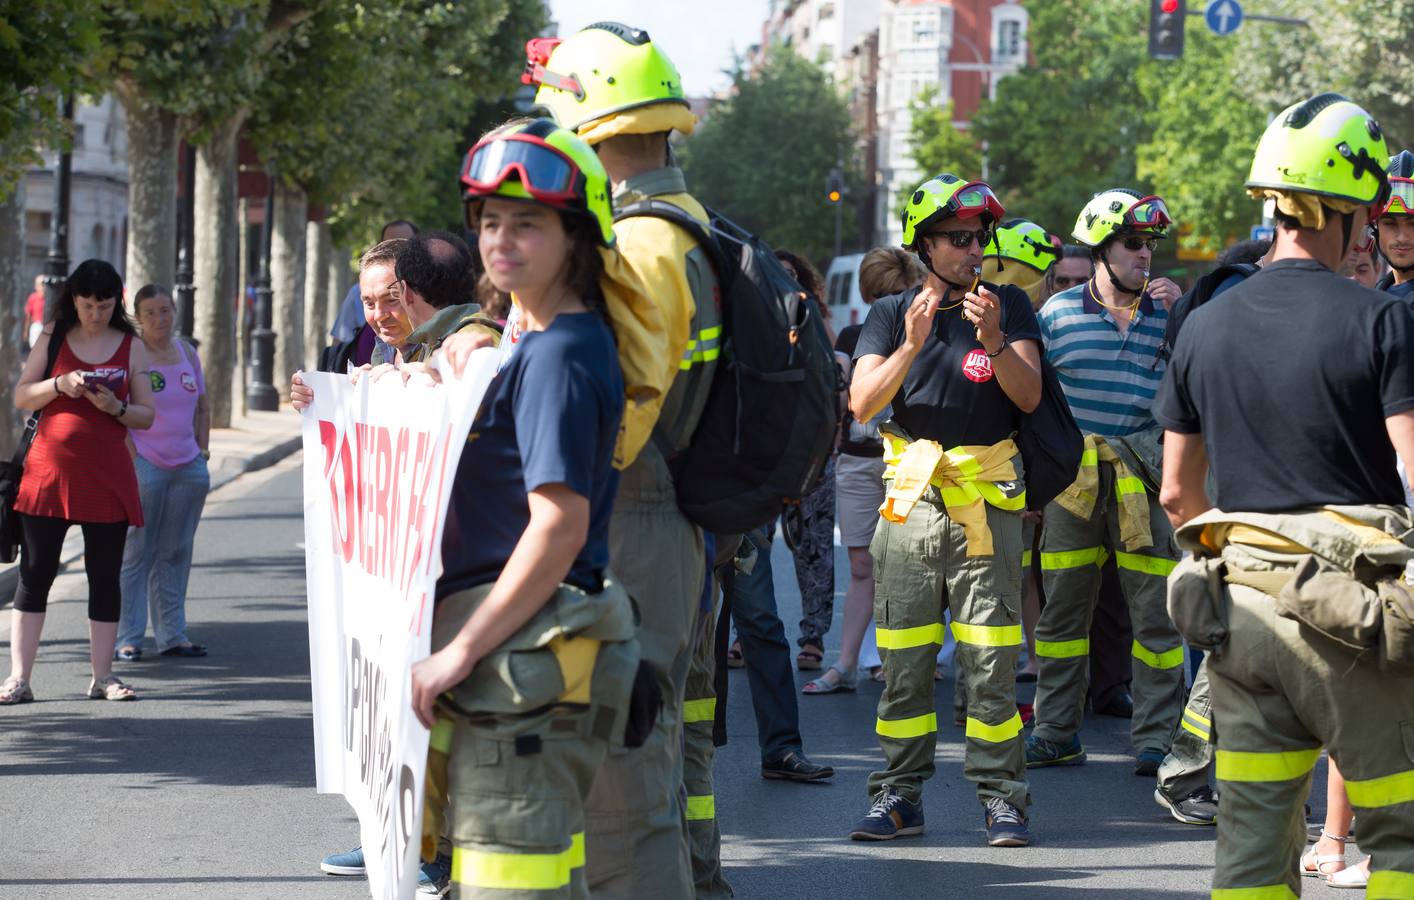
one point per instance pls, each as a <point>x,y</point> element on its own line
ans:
<point>507,798</point>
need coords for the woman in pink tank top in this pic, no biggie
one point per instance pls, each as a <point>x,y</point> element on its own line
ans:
<point>173,482</point>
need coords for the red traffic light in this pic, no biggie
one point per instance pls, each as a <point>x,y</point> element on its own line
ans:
<point>1169,6</point>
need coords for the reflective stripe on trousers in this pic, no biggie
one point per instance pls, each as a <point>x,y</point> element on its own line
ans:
<point>518,871</point>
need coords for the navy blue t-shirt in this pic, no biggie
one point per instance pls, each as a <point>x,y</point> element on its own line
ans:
<point>550,416</point>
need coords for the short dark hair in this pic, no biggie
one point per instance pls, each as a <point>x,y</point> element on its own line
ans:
<point>1074,251</point>
<point>437,265</point>
<point>147,292</point>
<point>394,224</point>
<point>1244,252</point>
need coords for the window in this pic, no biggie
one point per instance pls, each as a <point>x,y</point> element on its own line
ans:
<point>1009,39</point>
<point>827,11</point>
<point>78,136</point>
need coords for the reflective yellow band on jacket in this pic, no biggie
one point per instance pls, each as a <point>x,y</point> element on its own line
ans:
<point>1385,885</point>
<point>518,871</point>
<point>1025,558</point>
<point>442,736</point>
<point>1169,659</point>
<point>1090,457</point>
<point>704,710</point>
<point>995,734</point>
<point>1129,485</point>
<point>907,728</point>
<point>1282,765</point>
<point>987,635</point>
<point>1385,791</point>
<point>703,348</point>
<point>1149,565</point>
<point>1270,892</point>
<point>1197,718</point>
<point>1205,736</point>
<point>971,491</point>
<point>1069,559</point>
<point>1063,649</point>
<point>700,809</point>
<point>907,638</point>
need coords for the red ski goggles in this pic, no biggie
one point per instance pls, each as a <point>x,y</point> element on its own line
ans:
<point>974,199</point>
<point>545,172</point>
<point>1149,213</point>
<point>1400,201</point>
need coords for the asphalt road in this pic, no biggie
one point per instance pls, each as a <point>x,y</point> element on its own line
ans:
<point>205,786</point>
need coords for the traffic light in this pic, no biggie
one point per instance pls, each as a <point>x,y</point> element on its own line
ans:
<point>834,187</point>
<point>1166,19</point>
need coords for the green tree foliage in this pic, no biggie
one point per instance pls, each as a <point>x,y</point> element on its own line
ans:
<point>938,145</point>
<point>44,47</point>
<point>763,155</point>
<point>1069,125</point>
<point>375,131</point>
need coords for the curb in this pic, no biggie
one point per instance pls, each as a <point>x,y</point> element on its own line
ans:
<point>226,472</point>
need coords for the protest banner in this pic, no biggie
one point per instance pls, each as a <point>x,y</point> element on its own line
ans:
<point>379,460</point>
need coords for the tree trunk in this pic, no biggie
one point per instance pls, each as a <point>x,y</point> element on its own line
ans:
<point>217,265</point>
<point>316,293</point>
<point>153,135</point>
<point>287,280</point>
<point>12,294</point>
<point>341,278</point>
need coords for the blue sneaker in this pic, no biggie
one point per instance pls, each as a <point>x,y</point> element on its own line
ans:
<point>347,863</point>
<point>1006,825</point>
<point>1147,763</point>
<point>1041,752</point>
<point>891,816</point>
<point>435,878</point>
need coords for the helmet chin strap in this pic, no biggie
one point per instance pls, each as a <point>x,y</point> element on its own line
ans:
<point>927,259</point>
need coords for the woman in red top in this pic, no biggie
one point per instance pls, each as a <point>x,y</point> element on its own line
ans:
<point>79,470</point>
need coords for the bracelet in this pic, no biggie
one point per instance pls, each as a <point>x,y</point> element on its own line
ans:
<point>121,412</point>
<point>1006,341</point>
<point>56,385</point>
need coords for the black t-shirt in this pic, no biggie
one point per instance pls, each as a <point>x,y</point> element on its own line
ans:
<point>857,439</point>
<point>1290,380</point>
<point>950,394</point>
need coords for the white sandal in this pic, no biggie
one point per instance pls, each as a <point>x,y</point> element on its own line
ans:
<point>1313,865</point>
<point>1356,876</point>
<point>110,688</point>
<point>15,690</point>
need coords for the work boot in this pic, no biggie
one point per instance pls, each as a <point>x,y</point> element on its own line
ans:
<point>795,766</point>
<point>1006,825</point>
<point>891,816</point>
<point>1199,808</point>
<point>1041,753</point>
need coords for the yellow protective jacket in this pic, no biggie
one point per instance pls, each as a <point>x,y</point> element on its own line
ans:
<point>679,279</point>
<point>1135,479</point>
<point>966,478</point>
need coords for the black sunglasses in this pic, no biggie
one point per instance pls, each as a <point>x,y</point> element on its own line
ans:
<point>963,239</point>
<point>1133,244</point>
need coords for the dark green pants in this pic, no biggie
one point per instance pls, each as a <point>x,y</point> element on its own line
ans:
<point>1190,761</point>
<point>922,568</point>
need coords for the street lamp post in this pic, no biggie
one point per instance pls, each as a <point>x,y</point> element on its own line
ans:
<point>56,263</point>
<point>186,277</point>
<point>261,393</point>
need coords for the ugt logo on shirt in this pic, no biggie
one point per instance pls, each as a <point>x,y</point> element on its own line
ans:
<point>977,367</point>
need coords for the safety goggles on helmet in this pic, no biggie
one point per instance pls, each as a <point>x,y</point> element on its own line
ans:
<point>546,173</point>
<point>1149,213</point>
<point>1400,201</point>
<point>974,199</point>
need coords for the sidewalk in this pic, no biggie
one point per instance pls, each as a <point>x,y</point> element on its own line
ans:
<point>254,441</point>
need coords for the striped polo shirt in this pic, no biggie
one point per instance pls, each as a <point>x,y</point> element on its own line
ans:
<point>1109,377</point>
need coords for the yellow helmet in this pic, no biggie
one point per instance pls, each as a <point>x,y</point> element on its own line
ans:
<point>1327,146</point>
<point>1117,211</point>
<point>1023,241</point>
<point>602,69</point>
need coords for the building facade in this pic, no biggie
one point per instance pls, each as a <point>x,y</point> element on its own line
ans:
<point>98,198</point>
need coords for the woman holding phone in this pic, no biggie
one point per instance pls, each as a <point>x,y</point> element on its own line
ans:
<point>79,471</point>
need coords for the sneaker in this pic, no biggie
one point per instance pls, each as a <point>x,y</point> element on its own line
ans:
<point>347,863</point>
<point>891,816</point>
<point>1041,752</point>
<point>1147,763</point>
<point>1006,825</point>
<point>435,878</point>
<point>795,766</point>
<point>1198,808</point>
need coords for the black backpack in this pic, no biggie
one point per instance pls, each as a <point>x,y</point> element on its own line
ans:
<point>1050,443</point>
<point>771,413</point>
<point>1201,292</point>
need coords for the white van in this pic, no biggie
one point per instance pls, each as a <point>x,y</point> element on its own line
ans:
<point>842,291</point>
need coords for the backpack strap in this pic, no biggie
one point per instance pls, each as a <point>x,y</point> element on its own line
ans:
<point>56,340</point>
<point>704,235</point>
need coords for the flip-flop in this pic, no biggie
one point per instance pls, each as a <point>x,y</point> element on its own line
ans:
<point>822,685</point>
<point>187,650</point>
<point>809,660</point>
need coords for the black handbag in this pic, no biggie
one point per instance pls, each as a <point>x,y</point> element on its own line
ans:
<point>1050,443</point>
<point>11,472</point>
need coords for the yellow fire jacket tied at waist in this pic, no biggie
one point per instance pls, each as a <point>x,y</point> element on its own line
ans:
<point>1079,499</point>
<point>1363,540</point>
<point>966,477</point>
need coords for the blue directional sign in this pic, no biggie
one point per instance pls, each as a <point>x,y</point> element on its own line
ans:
<point>1263,233</point>
<point>1223,16</point>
